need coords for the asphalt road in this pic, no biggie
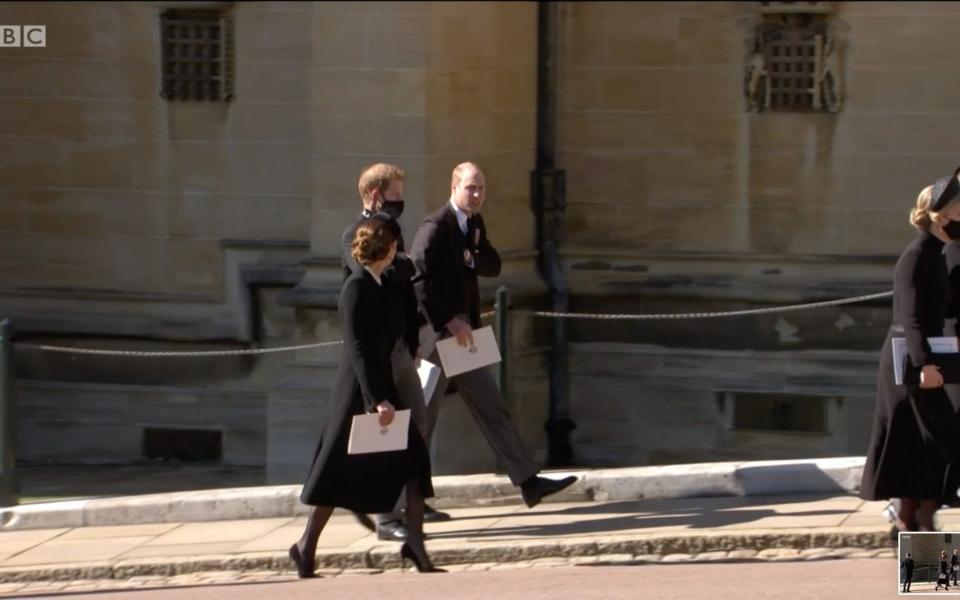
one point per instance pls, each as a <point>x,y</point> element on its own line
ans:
<point>820,580</point>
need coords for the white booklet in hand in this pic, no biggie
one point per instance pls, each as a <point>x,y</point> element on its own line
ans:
<point>457,359</point>
<point>429,375</point>
<point>368,435</point>
<point>938,345</point>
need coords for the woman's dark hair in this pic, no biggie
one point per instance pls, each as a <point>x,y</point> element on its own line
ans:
<point>373,239</point>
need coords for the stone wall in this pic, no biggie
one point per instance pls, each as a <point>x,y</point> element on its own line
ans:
<point>109,187</point>
<point>132,220</point>
<point>662,155</point>
<point>429,85</point>
<point>926,548</point>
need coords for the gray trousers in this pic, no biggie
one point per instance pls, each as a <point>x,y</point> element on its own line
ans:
<point>407,382</point>
<point>480,393</point>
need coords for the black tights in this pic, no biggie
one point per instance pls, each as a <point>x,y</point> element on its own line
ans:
<point>317,520</point>
<point>916,514</point>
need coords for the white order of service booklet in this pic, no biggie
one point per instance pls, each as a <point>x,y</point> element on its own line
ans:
<point>938,345</point>
<point>368,435</point>
<point>429,375</point>
<point>457,359</point>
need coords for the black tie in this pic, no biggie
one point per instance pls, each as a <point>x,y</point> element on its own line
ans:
<point>471,229</point>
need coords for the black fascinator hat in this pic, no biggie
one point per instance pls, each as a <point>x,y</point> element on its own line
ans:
<point>945,189</point>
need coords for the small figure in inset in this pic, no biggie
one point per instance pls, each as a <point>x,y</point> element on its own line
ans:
<point>906,565</point>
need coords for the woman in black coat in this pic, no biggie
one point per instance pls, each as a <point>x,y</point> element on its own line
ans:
<point>371,317</point>
<point>914,452</point>
<point>943,574</point>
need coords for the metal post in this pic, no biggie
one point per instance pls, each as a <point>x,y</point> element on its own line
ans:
<point>503,307</point>
<point>548,201</point>
<point>559,425</point>
<point>9,483</point>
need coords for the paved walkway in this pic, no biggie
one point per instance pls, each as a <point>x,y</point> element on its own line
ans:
<point>852,579</point>
<point>679,530</point>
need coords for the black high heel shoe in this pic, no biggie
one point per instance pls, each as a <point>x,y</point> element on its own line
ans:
<point>406,552</point>
<point>303,571</point>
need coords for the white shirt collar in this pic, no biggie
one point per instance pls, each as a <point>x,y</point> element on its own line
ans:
<point>461,216</point>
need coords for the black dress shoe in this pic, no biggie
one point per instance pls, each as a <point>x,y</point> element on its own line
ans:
<point>365,520</point>
<point>537,488</point>
<point>392,531</point>
<point>432,515</point>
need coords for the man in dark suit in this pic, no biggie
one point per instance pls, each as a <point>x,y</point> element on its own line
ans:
<point>450,251</point>
<point>955,565</point>
<point>907,565</point>
<point>381,194</point>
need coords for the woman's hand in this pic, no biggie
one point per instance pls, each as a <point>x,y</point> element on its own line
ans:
<point>930,377</point>
<point>386,412</point>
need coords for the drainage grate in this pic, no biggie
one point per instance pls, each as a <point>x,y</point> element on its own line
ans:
<point>188,445</point>
<point>753,411</point>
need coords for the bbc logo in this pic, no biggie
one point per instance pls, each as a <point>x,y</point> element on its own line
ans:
<point>25,36</point>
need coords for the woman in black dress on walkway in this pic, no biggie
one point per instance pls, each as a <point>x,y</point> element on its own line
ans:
<point>371,318</point>
<point>943,574</point>
<point>914,452</point>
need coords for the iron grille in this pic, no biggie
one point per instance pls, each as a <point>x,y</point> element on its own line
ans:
<point>792,63</point>
<point>197,48</point>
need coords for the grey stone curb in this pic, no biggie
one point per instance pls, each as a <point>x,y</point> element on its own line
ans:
<point>800,544</point>
<point>816,476</point>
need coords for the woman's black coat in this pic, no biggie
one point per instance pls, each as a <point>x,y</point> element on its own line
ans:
<point>914,447</point>
<point>371,318</point>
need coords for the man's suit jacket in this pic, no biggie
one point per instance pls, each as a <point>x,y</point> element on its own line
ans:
<point>399,273</point>
<point>907,566</point>
<point>445,285</point>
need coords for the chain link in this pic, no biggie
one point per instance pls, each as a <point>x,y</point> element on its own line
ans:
<point>535,313</point>
<point>139,353</point>
<point>705,315</point>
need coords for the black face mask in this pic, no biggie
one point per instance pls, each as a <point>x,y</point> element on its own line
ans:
<point>394,208</point>
<point>952,229</point>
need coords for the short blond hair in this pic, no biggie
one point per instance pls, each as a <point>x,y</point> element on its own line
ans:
<point>378,177</point>
<point>920,214</point>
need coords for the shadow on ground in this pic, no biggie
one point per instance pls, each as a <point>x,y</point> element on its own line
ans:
<point>691,513</point>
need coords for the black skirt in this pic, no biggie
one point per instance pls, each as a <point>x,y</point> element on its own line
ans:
<point>368,483</point>
<point>903,460</point>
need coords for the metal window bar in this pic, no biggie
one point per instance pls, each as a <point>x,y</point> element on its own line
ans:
<point>197,56</point>
<point>791,62</point>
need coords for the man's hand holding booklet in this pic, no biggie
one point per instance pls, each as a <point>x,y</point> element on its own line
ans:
<point>457,359</point>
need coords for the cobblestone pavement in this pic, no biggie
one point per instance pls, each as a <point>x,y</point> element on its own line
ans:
<point>230,577</point>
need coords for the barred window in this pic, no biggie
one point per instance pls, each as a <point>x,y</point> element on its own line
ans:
<point>792,61</point>
<point>197,47</point>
